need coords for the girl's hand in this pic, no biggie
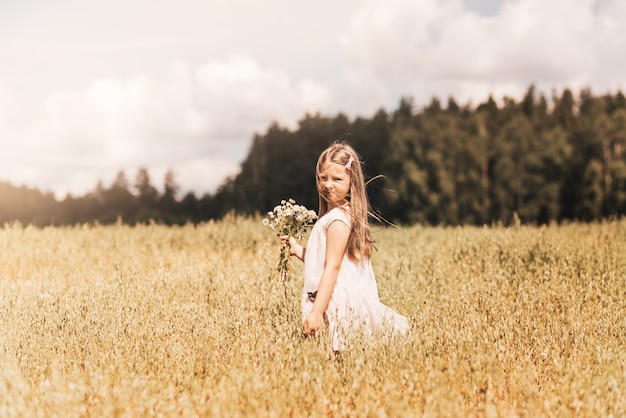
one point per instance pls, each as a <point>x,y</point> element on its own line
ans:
<point>294,248</point>
<point>312,323</point>
<point>284,239</point>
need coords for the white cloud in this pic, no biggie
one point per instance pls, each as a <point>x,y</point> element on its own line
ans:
<point>240,95</point>
<point>362,92</point>
<point>196,121</point>
<point>25,56</point>
<point>94,88</point>
<point>442,49</point>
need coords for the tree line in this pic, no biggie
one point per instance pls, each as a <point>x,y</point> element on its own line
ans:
<point>538,159</point>
<point>124,201</point>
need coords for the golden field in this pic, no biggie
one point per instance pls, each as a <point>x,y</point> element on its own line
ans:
<point>108,321</point>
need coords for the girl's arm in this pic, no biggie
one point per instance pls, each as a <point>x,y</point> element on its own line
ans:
<point>337,236</point>
<point>294,248</point>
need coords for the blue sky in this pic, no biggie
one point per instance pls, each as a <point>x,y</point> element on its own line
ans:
<point>91,88</point>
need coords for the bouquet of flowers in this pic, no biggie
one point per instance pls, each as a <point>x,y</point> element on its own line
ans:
<point>289,219</point>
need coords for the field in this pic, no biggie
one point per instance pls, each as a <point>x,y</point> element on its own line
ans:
<point>191,321</point>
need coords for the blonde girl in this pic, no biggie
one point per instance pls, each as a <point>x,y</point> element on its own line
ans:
<point>340,290</point>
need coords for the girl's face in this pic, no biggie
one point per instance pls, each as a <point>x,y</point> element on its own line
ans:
<point>334,184</point>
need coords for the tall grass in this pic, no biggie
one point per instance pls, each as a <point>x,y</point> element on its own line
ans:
<point>190,321</point>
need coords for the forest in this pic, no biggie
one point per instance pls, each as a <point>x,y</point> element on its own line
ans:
<point>537,160</point>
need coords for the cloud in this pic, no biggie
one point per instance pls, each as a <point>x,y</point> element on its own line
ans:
<point>240,95</point>
<point>197,121</point>
<point>440,48</point>
<point>84,98</point>
<point>25,56</point>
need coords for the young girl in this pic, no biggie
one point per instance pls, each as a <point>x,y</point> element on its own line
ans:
<point>339,284</point>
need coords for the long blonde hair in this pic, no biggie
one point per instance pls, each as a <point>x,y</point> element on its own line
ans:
<point>360,243</point>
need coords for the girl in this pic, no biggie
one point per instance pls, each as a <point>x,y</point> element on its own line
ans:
<point>339,285</point>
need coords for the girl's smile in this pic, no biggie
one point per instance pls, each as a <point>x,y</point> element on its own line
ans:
<point>334,184</point>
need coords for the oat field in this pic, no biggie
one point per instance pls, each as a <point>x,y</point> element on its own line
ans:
<point>120,321</point>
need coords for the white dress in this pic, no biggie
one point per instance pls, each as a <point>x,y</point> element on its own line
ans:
<point>354,306</point>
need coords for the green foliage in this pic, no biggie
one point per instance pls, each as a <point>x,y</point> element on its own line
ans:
<point>463,166</point>
<point>541,161</point>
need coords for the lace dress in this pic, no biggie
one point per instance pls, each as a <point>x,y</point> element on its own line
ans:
<point>354,307</point>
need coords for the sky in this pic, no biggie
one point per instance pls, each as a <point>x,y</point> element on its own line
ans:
<point>92,88</point>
